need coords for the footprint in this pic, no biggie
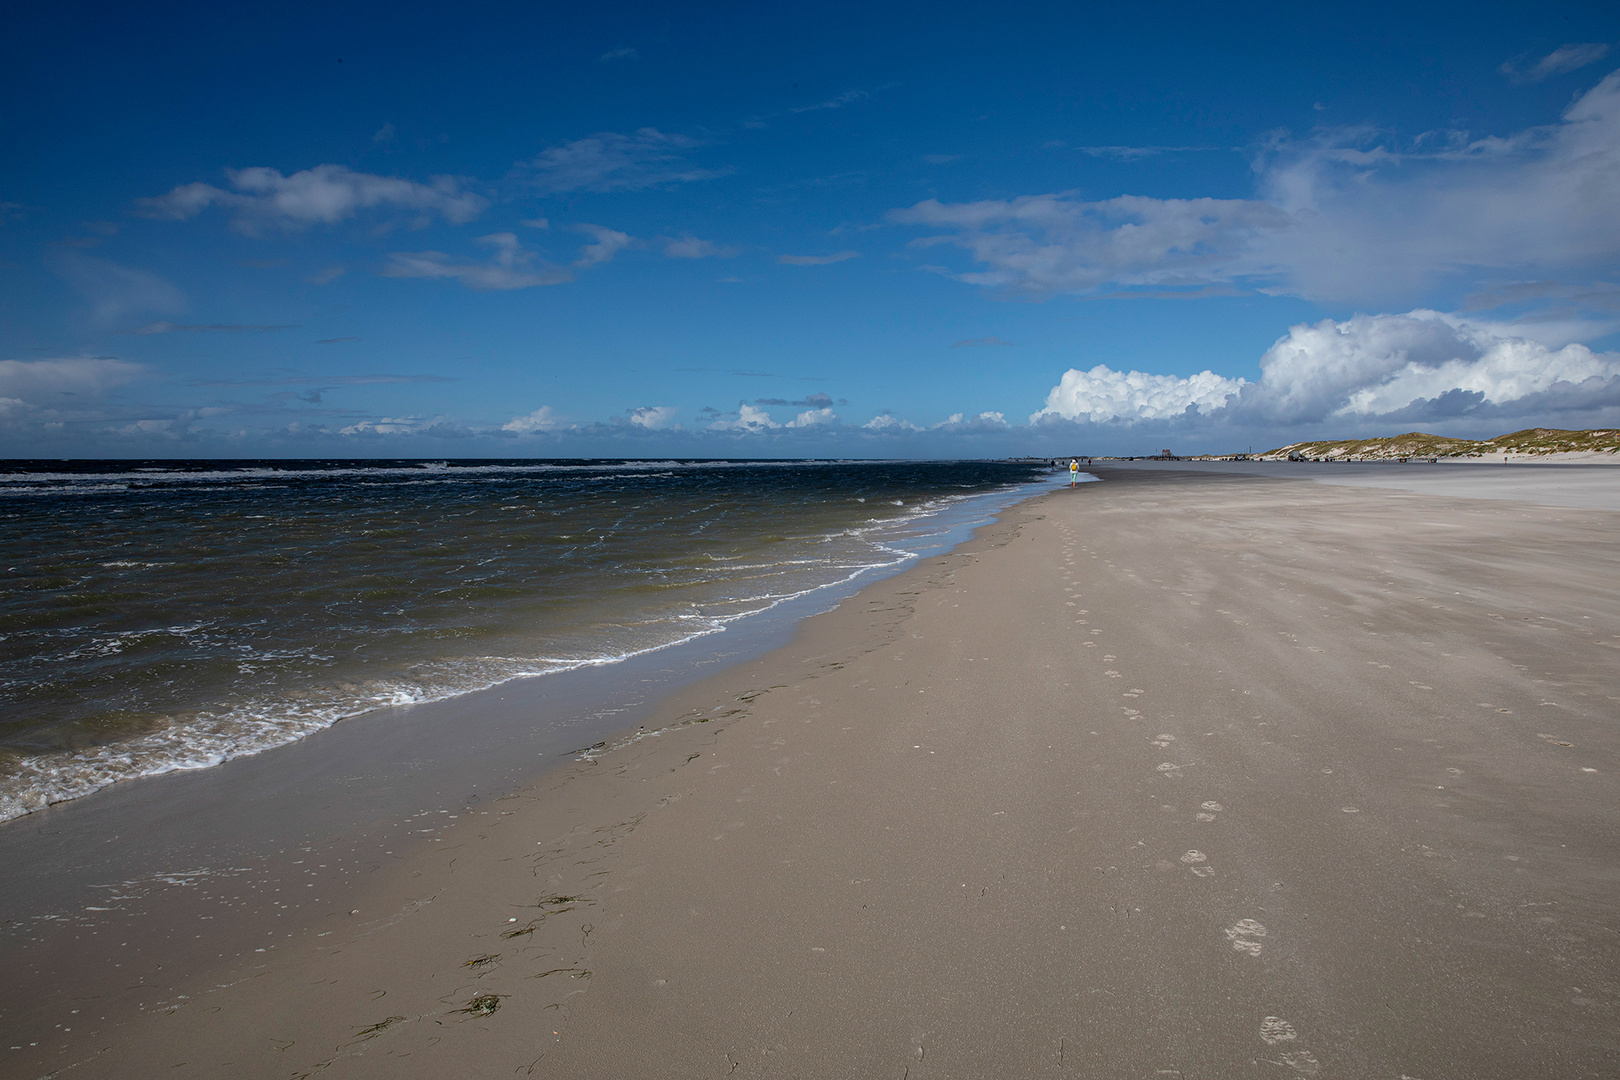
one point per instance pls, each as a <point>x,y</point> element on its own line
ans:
<point>1244,935</point>
<point>1301,1061</point>
<point>1209,810</point>
<point>1274,1029</point>
<point>1194,857</point>
<point>1162,741</point>
<point>1213,807</point>
<point>1203,871</point>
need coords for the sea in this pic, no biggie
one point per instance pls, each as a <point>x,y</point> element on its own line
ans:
<point>164,615</point>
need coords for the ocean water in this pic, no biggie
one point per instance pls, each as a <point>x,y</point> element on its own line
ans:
<point>172,615</point>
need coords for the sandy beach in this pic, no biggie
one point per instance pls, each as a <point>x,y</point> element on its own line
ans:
<point>1185,773</point>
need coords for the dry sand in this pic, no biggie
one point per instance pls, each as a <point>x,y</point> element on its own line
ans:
<point>1180,774</point>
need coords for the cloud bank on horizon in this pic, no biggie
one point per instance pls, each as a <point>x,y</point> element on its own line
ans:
<point>761,277</point>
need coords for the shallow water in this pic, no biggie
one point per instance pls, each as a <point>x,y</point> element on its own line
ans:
<point>163,615</point>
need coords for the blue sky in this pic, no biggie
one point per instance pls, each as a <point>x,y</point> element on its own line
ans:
<point>864,230</point>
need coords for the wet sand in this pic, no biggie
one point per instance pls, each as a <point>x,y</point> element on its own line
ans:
<point>1180,774</point>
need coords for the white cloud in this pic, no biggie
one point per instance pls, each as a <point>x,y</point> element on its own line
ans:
<point>885,422</point>
<point>1374,365</point>
<point>608,243</point>
<point>1344,216</point>
<point>1039,244</point>
<point>818,260</point>
<point>327,276</point>
<point>115,291</point>
<point>690,247</point>
<point>1419,365</point>
<point>608,161</point>
<point>623,52</point>
<point>991,421</point>
<point>47,382</point>
<point>1562,59</point>
<point>510,268</point>
<point>542,419</point>
<point>813,417</point>
<point>1104,394</point>
<point>264,198</point>
<point>749,418</point>
<point>404,426</point>
<point>654,417</point>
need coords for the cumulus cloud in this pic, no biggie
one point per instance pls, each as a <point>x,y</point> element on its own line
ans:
<point>1103,394</point>
<point>749,418</point>
<point>608,243</point>
<point>985,421</point>
<point>1347,215</point>
<point>608,161</point>
<point>690,247</point>
<point>1418,365</point>
<point>263,198</point>
<point>1374,365</point>
<point>818,260</point>
<point>542,419</point>
<point>884,422</point>
<point>1560,60</point>
<point>511,267</point>
<point>654,417</point>
<point>114,291</point>
<point>813,417</point>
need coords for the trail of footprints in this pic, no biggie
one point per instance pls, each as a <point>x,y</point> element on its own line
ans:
<point>1246,936</point>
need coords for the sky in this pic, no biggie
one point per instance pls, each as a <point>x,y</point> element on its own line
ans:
<point>870,230</point>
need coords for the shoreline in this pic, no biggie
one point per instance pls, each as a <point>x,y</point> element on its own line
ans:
<point>774,879</point>
<point>235,728</point>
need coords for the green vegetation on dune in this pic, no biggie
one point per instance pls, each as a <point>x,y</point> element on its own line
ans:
<point>1557,441</point>
<point>1531,441</point>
